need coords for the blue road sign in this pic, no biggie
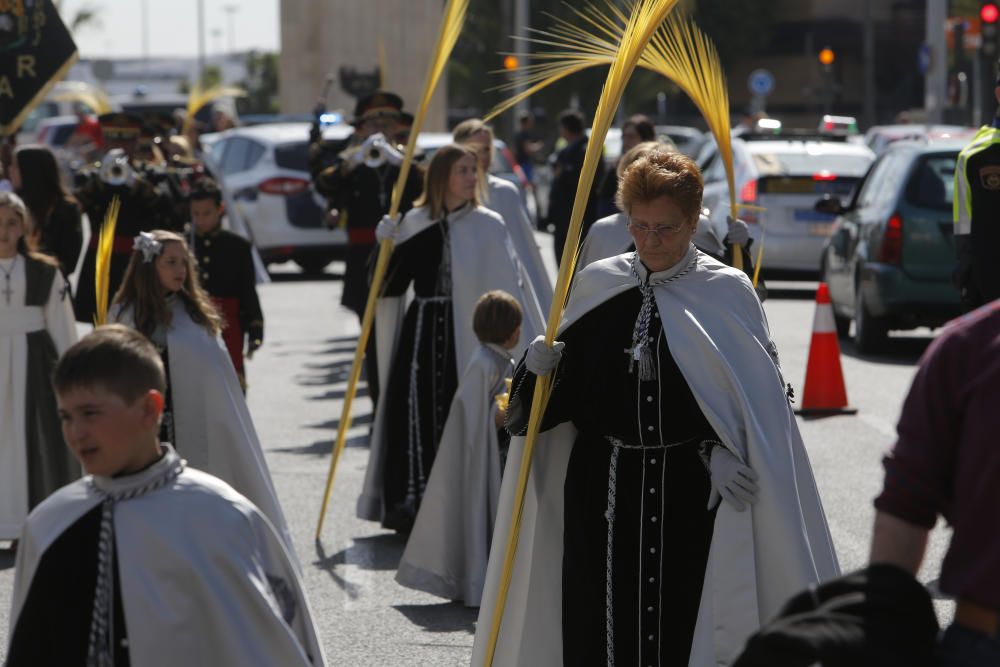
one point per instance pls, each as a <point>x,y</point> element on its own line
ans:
<point>761,82</point>
<point>924,58</point>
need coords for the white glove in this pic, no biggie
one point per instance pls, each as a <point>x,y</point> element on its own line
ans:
<point>542,359</point>
<point>739,233</point>
<point>358,156</point>
<point>392,156</point>
<point>387,228</point>
<point>732,480</point>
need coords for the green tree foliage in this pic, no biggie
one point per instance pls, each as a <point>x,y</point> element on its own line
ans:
<point>261,84</point>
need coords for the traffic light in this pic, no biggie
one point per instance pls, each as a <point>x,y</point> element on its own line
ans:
<point>989,13</point>
<point>510,62</point>
<point>827,56</point>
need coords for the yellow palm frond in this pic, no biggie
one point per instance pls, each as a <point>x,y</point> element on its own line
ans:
<point>102,270</point>
<point>451,27</point>
<point>199,97</point>
<point>678,50</point>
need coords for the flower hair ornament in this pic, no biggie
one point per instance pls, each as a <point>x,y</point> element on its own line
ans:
<point>148,245</point>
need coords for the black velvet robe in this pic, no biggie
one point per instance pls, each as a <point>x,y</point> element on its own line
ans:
<point>425,361</point>
<point>652,483</point>
<point>53,627</point>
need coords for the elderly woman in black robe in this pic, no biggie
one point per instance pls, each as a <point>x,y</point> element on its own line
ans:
<point>666,399</point>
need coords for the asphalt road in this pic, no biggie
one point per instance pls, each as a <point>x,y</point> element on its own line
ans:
<point>297,383</point>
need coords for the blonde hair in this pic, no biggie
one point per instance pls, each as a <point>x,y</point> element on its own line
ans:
<point>463,134</point>
<point>662,173</point>
<point>141,290</point>
<point>438,175</point>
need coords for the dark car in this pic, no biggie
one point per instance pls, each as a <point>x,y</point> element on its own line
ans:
<point>890,255</point>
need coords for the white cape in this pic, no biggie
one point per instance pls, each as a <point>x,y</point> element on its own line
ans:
<point>448,548</point>
<point>212,424</point>
<point>716,331</point>
<point>609,237</point>
<point>505,200</point>
<point>205,580</point>
<point>481,260</point>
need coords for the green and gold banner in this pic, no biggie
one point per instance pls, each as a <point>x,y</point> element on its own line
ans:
<point>36,51</point>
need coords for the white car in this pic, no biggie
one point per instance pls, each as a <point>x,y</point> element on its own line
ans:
<point>784,174</point>
<point>264,171</point>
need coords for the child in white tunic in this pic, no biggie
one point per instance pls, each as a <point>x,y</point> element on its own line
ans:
<point>448,549</point>
<point>36,326</point>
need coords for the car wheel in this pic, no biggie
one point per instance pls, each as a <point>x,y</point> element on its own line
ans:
<point>312,266</point>
<point>870,331</point>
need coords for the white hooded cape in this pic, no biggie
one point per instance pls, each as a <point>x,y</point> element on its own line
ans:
<point>481,260</point>
<point>505,200</point>
<point>717,334</point>
<point>205,580</point>
<point>212,423</point>
<point>449,546</point>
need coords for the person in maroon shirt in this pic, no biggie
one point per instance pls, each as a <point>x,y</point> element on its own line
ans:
<point>946,462</point>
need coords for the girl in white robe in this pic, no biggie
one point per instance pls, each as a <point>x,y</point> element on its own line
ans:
<point>502,196</point>
<point>206,417</point>
<point>449,251</point>
<point>36,326</point>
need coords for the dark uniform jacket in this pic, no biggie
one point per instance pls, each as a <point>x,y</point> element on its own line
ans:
<point>144,207</point>
<point>363,194</point>
<point>225,267</point>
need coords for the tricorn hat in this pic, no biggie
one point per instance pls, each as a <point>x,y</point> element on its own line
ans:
<point>380,104</point>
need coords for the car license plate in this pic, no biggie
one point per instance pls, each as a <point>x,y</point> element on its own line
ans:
<point>809,215</point>
<point>819,229</point>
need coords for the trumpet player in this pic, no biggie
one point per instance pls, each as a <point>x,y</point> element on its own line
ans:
<point>144,206</point>
<point>357,177</point>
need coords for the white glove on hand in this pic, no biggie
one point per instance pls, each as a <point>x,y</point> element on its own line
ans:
<point>739,233</point>
<point>392,156</point>
<point>387,228</point>
<point>358,156</point>
<point>732,480</point>
<point>542,359</point>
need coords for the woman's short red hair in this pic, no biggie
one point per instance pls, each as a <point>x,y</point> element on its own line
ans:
<point>662,173</point>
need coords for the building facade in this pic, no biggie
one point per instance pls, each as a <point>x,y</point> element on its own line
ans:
<point>333,38</point>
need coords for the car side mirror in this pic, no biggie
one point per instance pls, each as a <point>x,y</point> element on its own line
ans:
<point>839,241</point>
<point>829,204</point>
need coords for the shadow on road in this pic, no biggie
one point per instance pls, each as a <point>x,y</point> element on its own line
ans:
<point>791,293</point>
<point>443,617</point>
<point>334,424</point>
<point>376,552</point>
<point>292,277</point>
<point>324,447</point>
<point>899,351</point>
<point>336,394</point>
<point>7,558</point>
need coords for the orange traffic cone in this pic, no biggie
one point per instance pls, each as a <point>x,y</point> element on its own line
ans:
<point>824,392</point>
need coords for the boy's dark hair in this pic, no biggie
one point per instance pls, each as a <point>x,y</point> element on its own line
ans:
<point>572,120</point>
<point>206,188</point>
<point>496,317</point>
<point>643,127</point>
<point>114,357</point>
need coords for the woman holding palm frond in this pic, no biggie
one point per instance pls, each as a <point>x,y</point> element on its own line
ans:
<point>673,508</point>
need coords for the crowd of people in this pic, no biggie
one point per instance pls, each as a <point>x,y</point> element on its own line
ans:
<point>671,509</point>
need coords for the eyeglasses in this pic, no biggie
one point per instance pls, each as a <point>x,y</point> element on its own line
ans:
<point>662,231</point>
